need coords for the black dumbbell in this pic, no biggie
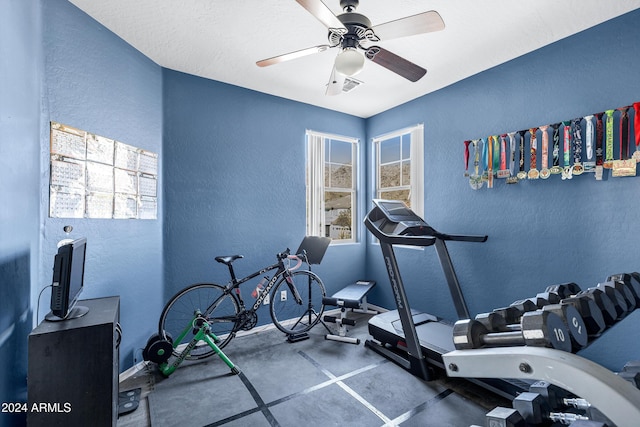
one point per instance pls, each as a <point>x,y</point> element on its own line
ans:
<point>504,417</point>
<point>603,302</point>
<point>568,313</point>
<point>631,282</point>
<point>536,410</point>
<point>564,290</point>
<point>590,313</point>
<point>574,322</point>
<point>538,328</point>
<point>615,292</point>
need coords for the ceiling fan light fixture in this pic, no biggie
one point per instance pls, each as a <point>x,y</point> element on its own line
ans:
<point>349,62</point>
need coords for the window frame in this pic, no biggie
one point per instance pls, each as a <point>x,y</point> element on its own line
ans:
<point>416,158</point>
<point>316,186</point>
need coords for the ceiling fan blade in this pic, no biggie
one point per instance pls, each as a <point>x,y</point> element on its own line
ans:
<point>426,22</point>
<point>292,55</point>
<point>395,63</point>
<point>336,83</point>
<point>318,9</point>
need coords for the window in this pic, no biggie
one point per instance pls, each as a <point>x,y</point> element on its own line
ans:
<point>398,168</point>
<point>331,186</point>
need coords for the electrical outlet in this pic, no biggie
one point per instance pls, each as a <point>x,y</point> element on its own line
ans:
<point>283,295</point>
<point>266,299</point>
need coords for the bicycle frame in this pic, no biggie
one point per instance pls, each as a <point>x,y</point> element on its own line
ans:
<point>281,269</point>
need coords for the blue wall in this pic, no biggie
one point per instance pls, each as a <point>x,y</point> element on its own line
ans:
<point>235,182</point>
<point>540,232</point>
<point>96,82</point>
<point>20,92</point>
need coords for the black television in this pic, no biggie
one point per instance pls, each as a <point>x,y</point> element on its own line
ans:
<point>68,281</point>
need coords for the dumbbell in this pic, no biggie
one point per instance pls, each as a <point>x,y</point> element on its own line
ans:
<point>504,417</point>
<point>564,290</point>
<point>631,373</point>
<point>604,303</point>
<point>536,409</point>
<point>537,328</point>
<point>631,282</point>
<point>578,333</point>
<point>610,312</point>
<point>620,296</point>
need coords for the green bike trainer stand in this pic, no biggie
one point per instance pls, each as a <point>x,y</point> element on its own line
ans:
<point>160,351</point>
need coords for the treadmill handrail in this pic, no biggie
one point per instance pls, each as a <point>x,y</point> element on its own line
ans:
<point>399,240</point>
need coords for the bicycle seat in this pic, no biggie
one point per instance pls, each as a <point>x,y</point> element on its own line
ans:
<point>228,259</point>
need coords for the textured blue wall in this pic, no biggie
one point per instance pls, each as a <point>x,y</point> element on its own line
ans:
<point>96,82</point>
<point>20,92</point>
<point>235,182</point>
<point>540,232</point>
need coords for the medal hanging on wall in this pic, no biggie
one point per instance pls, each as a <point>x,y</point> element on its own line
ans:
<point>636,129</point>
<point>590,164</point>
<point>475,180</point>
<point>512,179</point>
<point>544,171</point>
<point>599,151</point>
<point>533,144</point>
<point>566,130</point>
<point>503,172</point>
<point>577,168</point>
<point>521,173</point>
<point>490,155</point>
<point>466,158</point>
<point>556,169</point>
<point>608,160</point>
<point>625,166</point>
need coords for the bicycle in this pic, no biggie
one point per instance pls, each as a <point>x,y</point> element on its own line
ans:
<point>295,306</point>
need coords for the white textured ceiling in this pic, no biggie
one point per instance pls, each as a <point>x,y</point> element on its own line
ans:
<point>222,40</point>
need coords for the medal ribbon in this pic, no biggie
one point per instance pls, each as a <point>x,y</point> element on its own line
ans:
<point>609,135</point>
<point>512,149</point>
<point>599,136</point>
<point>534,147</point>
<point>503,152</point>
<point>485,154</point>
<point>567,142</point>
<point>556,144</point>
<point>636,123</point>
<point>476,157</point>
<point>624,133</point>
<point>466,157</point>
<point>589,136</point>
<point>496,153</point>
<point>577,140</point>
<point>545,147</point>
<point>521,133</point>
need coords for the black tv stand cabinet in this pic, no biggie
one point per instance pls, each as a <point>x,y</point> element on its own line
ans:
<point>73,368</point>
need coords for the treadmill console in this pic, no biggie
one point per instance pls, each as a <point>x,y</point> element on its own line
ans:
<point>393,217</point>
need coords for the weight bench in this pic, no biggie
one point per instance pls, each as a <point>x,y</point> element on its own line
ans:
<point>354,297</point>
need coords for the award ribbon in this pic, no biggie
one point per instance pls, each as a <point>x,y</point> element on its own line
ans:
<point>556,169</point>
<point>475,180</point>
<point>503,172</point>
<point>512,159</point>
<point>545,172</point>
<point>636,127</point>
<point>566,171</point>
<point>590,164</point>
<point>577,168</point>
<point>599,152</point>
<point>624,166</point>
<point>608,160</point>
<point>533,144</point>
<point>490,162</point>
<point>466,158</point>
<point>521,174</point>
<point>624,132</point>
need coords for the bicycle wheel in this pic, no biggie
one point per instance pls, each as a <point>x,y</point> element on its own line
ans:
<point>216,307</point>
<point>291,316</point>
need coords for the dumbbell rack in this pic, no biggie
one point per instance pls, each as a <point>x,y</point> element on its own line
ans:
<point>615,397</point>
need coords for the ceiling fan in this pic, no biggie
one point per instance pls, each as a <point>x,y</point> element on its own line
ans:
<point>353,33</point>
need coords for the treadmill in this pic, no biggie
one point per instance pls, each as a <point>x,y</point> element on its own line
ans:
<point>414,340</point>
